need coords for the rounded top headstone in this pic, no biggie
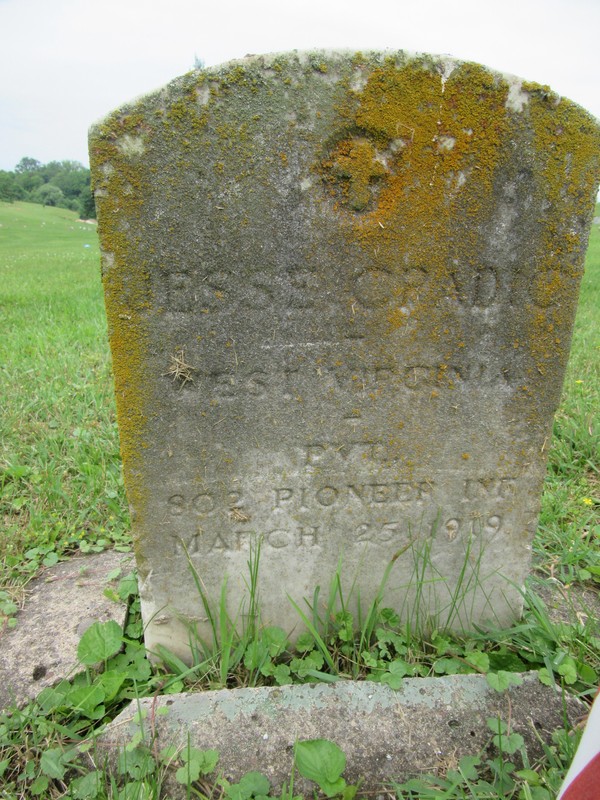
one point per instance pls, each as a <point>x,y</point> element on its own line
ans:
<point>340,290</point>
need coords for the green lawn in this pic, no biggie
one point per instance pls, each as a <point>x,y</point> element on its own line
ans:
<point>568,540</point>
<point>59,462</point>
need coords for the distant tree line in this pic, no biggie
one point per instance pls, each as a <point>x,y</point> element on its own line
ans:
<point>59,183</point>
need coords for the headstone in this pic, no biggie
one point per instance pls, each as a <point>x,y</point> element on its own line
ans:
<point>340,292</point>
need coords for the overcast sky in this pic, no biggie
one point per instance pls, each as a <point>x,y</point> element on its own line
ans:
<point>66,63</point>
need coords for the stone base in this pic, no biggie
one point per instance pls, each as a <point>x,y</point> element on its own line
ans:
<point>60,605</point>
<point>424,727</point>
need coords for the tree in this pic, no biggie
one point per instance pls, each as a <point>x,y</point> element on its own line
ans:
<point>72,182</point>
<point>87,206</point>
<point>29,181</point>
<point>57,183</point>
<point>27,164</point>
<point>49,195</point>
<point>9,188</point>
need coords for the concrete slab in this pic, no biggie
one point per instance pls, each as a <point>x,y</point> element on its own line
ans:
<point>61,604</point>
<point>425,726</point>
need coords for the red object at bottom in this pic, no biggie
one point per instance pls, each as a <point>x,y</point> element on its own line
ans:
<point>586,785</point>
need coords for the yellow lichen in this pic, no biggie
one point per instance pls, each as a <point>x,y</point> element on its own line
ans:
<point>417,176</point>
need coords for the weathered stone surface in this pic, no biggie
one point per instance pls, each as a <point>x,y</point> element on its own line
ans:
<point>340,291</point>
<point>424,727</point>
<point>60,605</point>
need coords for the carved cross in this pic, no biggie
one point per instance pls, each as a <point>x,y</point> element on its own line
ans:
<point>361,168</point>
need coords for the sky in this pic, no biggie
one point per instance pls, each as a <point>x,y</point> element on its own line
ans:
<point>64,64</point>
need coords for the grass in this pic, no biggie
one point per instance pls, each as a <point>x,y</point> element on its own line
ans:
<point>59,458</point>
<point>62,493</point>
<point>567,542</point>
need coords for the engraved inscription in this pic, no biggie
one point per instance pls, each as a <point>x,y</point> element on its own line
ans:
<point>365,494</point>
<point>203,542</point>
<point>204,503</point>
<point>204,290</point>
<point>398,532</point>
<point>292,498</point>
<point>380,534</point>
<point>236,384</point>
<point>393,532</point>
<point>490,487</point>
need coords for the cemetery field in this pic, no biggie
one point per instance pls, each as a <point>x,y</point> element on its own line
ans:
<point>62,494</point>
